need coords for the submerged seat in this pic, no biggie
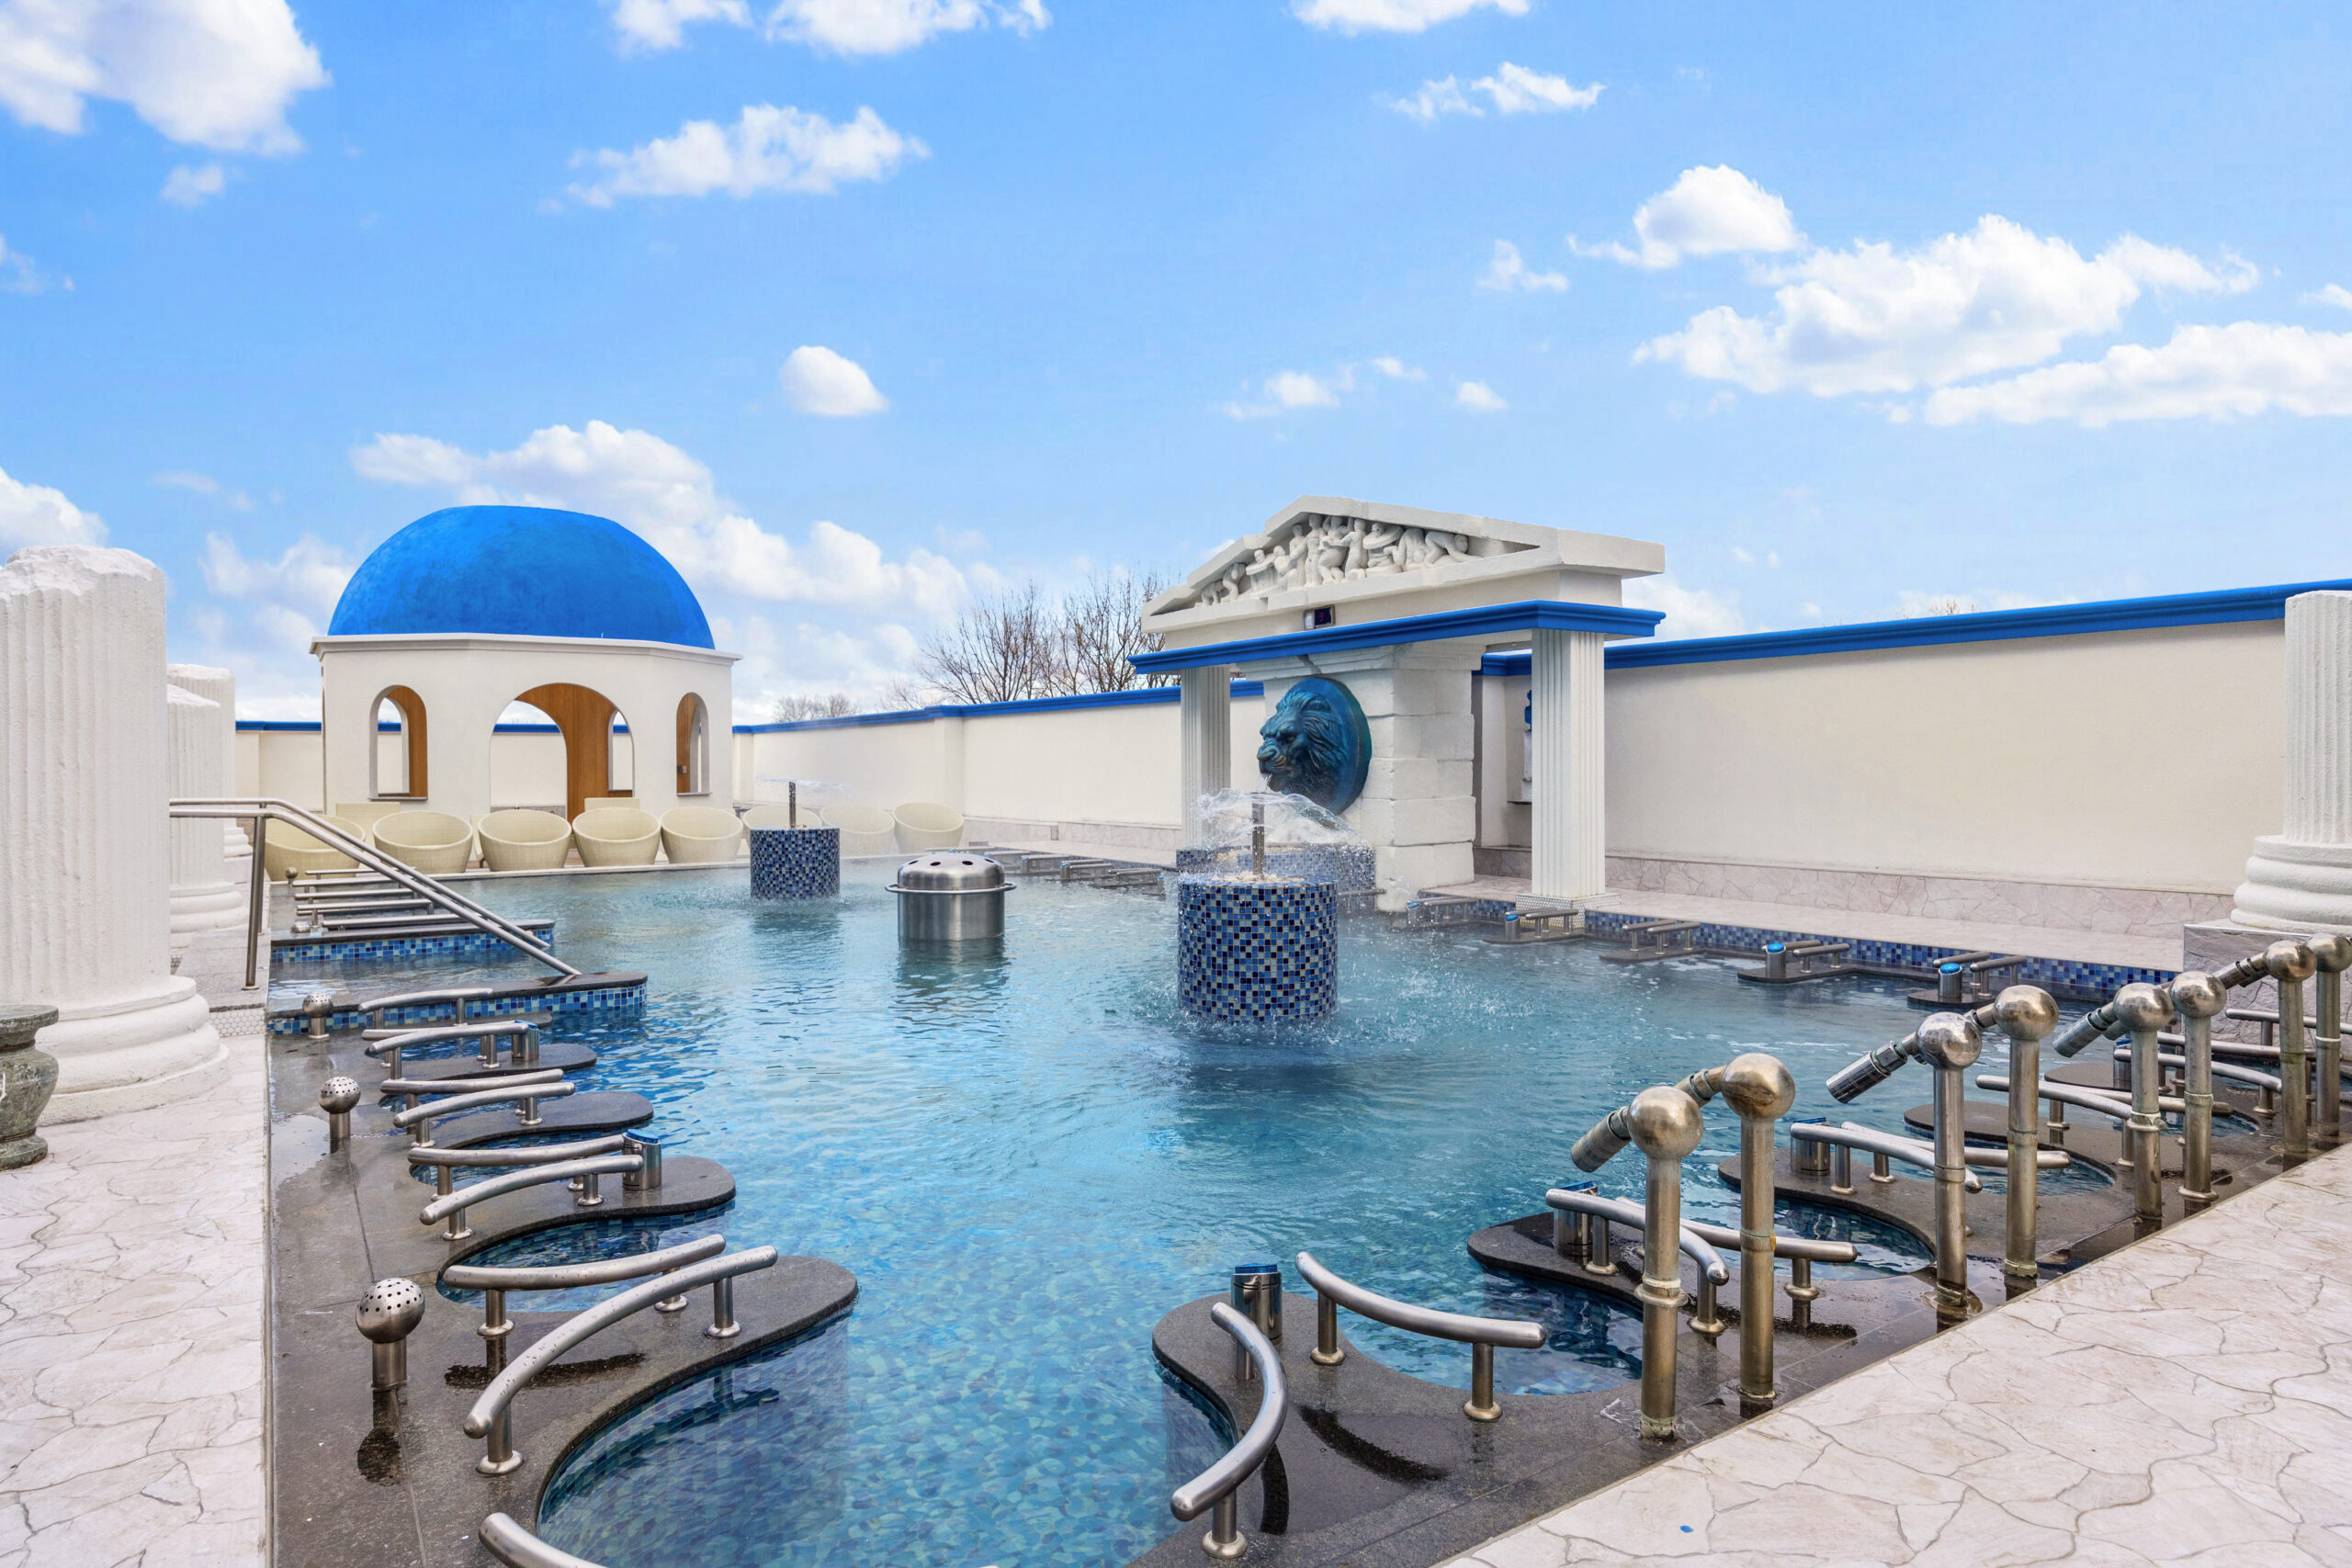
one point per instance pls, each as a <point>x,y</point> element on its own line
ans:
<point>866,830</point>
<point>616,835</point>
<point>433,841</point>
<point>698,835</point>
<point>924,824</point>
<point>522,840</point>
<point>286,848</point>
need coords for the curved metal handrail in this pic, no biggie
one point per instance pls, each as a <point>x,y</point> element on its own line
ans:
<point>1911,1151</point>
<point>1984,1159</point>
<point>459,994</point>
<point>2246,1076</point>
<point>420,1087</point>
<point>518,1548</point>
<point>1810,1248</point>
<point>1512,1333</point>
<point>2074,1094</point>
<point>464,908</point>
<point>574,1276</point>
<point>489,1416</point>
<point>418,1119</point>
<point>384,1041</point>
<point>1695,1246</point>
<point>457,1202</point>
<point>1214,1488</point>
<point>537,1154</point>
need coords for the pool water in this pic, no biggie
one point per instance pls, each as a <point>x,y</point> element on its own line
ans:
<point>1028,1157</point>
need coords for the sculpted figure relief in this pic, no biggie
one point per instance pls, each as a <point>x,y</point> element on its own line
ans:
<point>1316,548</point>
<point>1316,743</point>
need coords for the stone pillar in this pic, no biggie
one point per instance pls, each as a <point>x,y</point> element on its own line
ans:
<point>1206,725</point>
<point>208,681</point>
<point>203,898</point>
<point>1569,827</point>
<point>84,836</point>
<point>2300,880</point>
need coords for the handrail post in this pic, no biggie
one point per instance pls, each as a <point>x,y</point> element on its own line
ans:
<point>1760,1088</point>
<point>2291,964</point>
<point>1667,1125</point>
<point>2028,1014</point>
<point>1327,1351</point>
<point>2199,997</point>
<point>723,1310</point>
<point>2145,1011</point>
<point>1481,1405</point>
<point>2333,954</point>
<point>1950,1042</point>
<point>255,879</point>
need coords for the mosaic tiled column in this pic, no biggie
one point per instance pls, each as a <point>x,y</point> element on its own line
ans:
<point>796,862</point>
<point>84,838</point>
<point>2301,879</point>
<point>217,684</point>
<point>203,898</point>
<point>1252,951</point>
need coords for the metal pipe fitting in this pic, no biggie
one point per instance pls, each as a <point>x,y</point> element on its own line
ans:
<point>386,1315</point>
<point>2028,1014</point>
<point>2290,963</point>
<point>1604,1141</point>
<point>2199,997</point>
<point>2332,956</point>
<point>338,1097</point>
<point>1808,1156</point>
<point>1667,1125</point>
<point>1950,1042</point>
<point>1760,1088</point>
<point>2143,1009</point>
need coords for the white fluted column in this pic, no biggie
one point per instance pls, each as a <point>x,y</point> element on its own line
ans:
<point>220,686</point>
<point>2301,879</point>
<point>203,898</point>
<point>1204,722</point>
<point>1570,849</point>
<point>84,835</point>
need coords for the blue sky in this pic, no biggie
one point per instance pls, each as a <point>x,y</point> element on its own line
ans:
<point>855,307</point>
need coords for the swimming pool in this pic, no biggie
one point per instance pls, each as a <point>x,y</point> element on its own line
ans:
<point>1027,1159</point>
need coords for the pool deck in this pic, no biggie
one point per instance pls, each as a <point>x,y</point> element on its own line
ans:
<point>133,1272</point>
<point>2186,1400</point>
<point>1863,925</point>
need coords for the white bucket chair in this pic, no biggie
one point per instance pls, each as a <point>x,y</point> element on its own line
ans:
<point>616,835</point>
<point>522,840</point>
<point>922,825</point>
<point>433,841</point>
<point>699,835</point>
<point>866,830</point>
<point>286,848</point>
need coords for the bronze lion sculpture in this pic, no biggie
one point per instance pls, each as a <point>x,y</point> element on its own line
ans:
<point>1315,743</point>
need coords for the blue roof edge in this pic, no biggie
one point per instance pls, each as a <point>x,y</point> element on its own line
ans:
<point>1141,696</point>
<point>1485,620</point>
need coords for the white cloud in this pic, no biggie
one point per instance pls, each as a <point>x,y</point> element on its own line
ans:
<point>1512,89</point>
<point>1397,369</point>
<point>289,600</point>
<point>1690,612</point>
<point>2205,372</point>
<point>1393,16</point>
<point>19,274</point>
<point>887,27</point>
<point>818,381</point>
<point>203,484</point>
<point>668,496</point>
<point>1285,391</point>
<point>660,24</point>
<point>2335,294</point>
<point>1707,212</point>
<point>37,514</point>
<point>1507,272</point>
<point>194,186</point>
<point>767,149</point>
<point>217,74</point>
<point>1874,319</point>
<point>1478,398</point>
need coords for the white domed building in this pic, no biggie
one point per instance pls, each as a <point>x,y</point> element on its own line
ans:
<point>473,608</point>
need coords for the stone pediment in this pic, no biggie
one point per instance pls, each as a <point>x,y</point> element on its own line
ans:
<point>1330,550</point>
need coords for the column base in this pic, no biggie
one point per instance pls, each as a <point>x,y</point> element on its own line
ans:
<point>213,908</point>
<point>2295,886</point>
<point>132,1054</point>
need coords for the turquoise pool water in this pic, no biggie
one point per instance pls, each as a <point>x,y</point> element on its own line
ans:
<point>1028,1158</point>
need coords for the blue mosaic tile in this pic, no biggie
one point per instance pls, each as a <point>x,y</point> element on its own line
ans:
<point>602,998</point>
<point>329,949</point>
<point>1257,952</point>
<point>1350,866</point>
<point>2068,979</point>
<point>796,862</point>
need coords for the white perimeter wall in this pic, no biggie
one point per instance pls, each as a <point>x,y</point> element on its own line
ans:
<point>524,768</point>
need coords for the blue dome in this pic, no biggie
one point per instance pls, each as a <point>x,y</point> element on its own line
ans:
<point>519,571</point>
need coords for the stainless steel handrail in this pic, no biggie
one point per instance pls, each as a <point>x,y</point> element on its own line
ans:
<point>2246,1076</point>
<point>518,1548</point>
<point>2074,1094</point>
<point>1810,1249</point>
<point>1986,1159</point>
<point>452,1206</point>
<point>1698,1248</point>
<point>490,1416</point>
<point>1216,1486</point>
<point>577,1276</point>
<point>419,1118</point>
<point>1911,1151</point>
<point>388,1043</point>
<point>1481,1334</point>
<point>376,1007</point>
<point>541,1153</point>
<point>462,907</point>
<point>419,1087</point>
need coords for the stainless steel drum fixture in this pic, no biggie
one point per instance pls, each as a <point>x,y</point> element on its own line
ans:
<point>950,896</point>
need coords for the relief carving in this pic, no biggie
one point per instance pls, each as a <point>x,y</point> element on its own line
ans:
<point>1316,549</point>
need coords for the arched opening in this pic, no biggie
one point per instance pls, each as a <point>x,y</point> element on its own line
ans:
<point>396,753</point>
<point>598,755</point>
<point>693,746</point>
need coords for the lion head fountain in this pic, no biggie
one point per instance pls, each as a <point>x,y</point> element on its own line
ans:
<point>1316,743</point>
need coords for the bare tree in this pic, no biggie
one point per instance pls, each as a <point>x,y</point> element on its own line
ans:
<point>1102,626</point>
<point>998,649</point>
<point>796,707</point>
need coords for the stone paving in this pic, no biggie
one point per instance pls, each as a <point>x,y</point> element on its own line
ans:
<point>132,1279</point>
<point>2187,1399</point>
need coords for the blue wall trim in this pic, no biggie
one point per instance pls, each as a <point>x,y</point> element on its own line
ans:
<point>1143,696</point>
<point>311,727</point>
<point>1489,620</point>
